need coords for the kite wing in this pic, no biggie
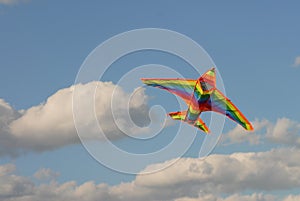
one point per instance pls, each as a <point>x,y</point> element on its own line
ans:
<point>219,103</point>
<point>183,88</point>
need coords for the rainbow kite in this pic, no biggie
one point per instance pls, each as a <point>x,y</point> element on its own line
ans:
<point>200,95</point>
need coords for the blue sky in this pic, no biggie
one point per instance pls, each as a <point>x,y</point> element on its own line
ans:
<point>254,45</point>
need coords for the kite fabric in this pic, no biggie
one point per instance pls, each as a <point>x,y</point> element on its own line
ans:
<point>200,95</point>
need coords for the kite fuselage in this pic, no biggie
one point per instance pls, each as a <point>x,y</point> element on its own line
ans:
<point>198,101</point>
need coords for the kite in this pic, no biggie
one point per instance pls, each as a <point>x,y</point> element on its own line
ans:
<point>200,95</point>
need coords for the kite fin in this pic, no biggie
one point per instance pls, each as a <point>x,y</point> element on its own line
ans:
<point>201,125</point>
<point>182,116</point>
<point>178,115</point>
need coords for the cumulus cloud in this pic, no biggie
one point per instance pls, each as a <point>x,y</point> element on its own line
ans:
<point>217,174</point>
<point>50,125</point>
<point>297,62</point>
<point>283,131</point>
<point>46,174</point>
<point>12,185</point>
<point>240,135</point>
<point>12,2</point>
<point>7,141</point>
<point>235,197</point>
<point>292,198</point>
<point>217,178</point>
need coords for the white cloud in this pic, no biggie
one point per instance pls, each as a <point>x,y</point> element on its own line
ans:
<point>235,197</point>
<point>292,198</point>
<point>240,135</point>
<point>12,185</point>
<point>50,125</point>
<point>7,169</point>
<point>45,174</point>
<point>7,114</point>
<point>235,173</point>
<point>284,131</point>
<point>217,178</point>
<point>12,2</point>
<point>297,61</point>
<point>7,141</point>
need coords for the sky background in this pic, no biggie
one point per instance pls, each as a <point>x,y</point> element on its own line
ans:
<point>255,46</point>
